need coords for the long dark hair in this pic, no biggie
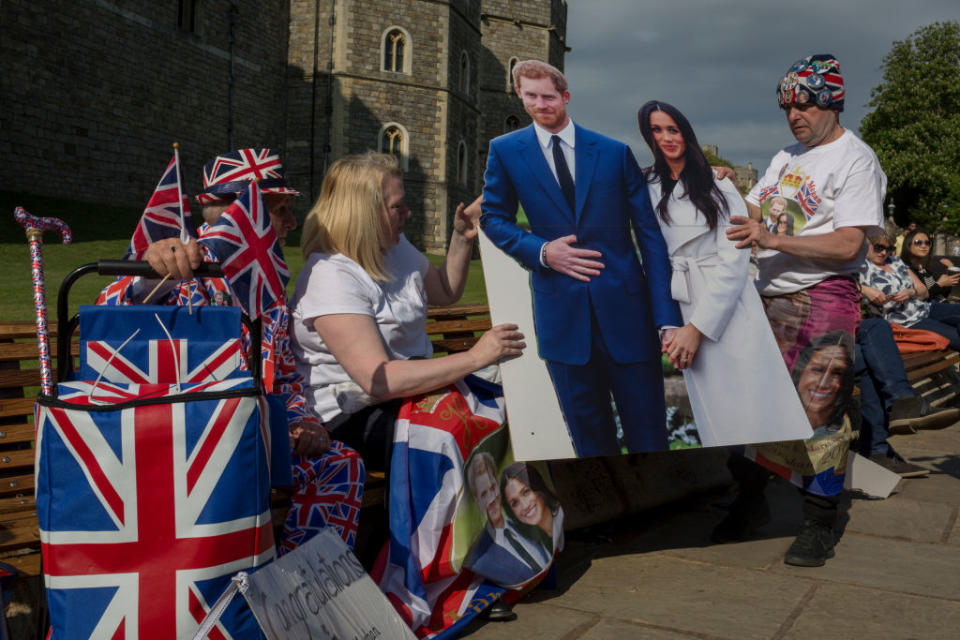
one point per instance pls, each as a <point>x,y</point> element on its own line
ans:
<point>697,176</point>
<point>906,251</point>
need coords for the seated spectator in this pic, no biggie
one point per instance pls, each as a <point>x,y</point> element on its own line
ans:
<point>360,306</point>
<point>320,466</point>
<point>897,294</point>
<point>887,400</point>
<point>938,276</point>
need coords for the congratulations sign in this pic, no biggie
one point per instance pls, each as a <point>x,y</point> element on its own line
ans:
<point>320,590</point>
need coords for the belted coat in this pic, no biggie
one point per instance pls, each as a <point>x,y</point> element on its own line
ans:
<point>738,384</point>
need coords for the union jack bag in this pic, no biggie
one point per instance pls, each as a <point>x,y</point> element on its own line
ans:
<point>153,477</point>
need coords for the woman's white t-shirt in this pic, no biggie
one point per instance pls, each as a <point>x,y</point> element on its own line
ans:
<point>334,284</point>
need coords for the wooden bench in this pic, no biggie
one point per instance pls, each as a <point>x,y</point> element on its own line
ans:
<point>933,375</point>
<point>452,329</point>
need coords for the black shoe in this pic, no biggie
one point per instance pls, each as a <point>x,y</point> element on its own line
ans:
<point>899,465</point>
<point>907,415</point>
<point>745,517</point>
<point>499,612</point>
<point>814,544</point>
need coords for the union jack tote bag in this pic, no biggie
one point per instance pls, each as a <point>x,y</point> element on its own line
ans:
<point>152,480</point>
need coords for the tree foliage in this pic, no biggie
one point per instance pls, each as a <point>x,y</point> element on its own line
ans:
<point>915,126</point>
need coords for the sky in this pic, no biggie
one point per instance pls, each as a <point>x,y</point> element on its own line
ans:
<point>718,62</point>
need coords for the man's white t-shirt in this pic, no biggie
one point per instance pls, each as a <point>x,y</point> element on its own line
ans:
<point>334,284</point>
<point>839,184</point>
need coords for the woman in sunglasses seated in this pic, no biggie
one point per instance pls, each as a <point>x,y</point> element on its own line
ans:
<point>900,296</point>
<point>939,276</point>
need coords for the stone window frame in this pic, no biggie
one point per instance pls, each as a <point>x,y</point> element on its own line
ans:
<point>462,163</point>
<point>511,63</point>
<point>404,142</point>
<point>407,66</point>
<point>511,119</point>
<point>464,72</point>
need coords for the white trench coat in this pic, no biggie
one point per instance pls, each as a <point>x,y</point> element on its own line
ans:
<point>739,387</point>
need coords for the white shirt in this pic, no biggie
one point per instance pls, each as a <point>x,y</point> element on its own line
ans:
<point>567,138</point>
<point>838,184</point>
<point>335,284</point>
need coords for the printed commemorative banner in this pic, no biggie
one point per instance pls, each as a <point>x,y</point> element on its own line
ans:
<point>320,590</point>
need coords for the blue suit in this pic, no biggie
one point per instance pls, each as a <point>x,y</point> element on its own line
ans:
<point>493,562</point>
<point>597,337</point>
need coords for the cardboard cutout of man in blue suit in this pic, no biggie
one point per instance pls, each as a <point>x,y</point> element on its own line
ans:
<point>596,309</point>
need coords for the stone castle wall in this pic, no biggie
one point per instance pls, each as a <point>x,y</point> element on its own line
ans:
<point>95,93</point>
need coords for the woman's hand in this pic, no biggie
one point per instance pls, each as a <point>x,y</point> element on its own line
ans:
<point>948,280</point>
<point>903,295</point>
<point>682,346</point>
<point>875,296</point>
<point>309,439</point>
<point>502,341</point>
<point>466,220</point>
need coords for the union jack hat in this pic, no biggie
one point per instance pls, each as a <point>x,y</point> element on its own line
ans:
<point>814,80</point>
<point>231,173</point>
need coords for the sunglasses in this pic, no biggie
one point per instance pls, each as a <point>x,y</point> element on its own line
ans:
<point>880,248</point>
<point>921,243</point>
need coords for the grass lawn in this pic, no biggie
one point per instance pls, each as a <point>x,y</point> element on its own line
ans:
<point>101,232</point>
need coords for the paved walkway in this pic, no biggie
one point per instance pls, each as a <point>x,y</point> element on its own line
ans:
<point>896,574</point>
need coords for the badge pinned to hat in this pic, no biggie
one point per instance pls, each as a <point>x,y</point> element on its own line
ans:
<point>815,79</point>
<point>229,175</point>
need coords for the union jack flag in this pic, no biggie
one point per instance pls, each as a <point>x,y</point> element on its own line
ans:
<point>246,246</point>
<point>808,198</point>
<point>167,214</point>
<point>767,192</point>
<point>141,523</point>
<point>230,173</point>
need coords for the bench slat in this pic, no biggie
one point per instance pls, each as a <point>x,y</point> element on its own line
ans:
<point>458,326</point>
<point>10,460</point>
<point>16,433</point>
<point>436,313</point>
<point>17,351</point>
<point>26,564</point>
<point>14,484</point>
<point>16,407</point>
<point>13,378</point>
<point>25,503</point>
<point>17,534</point>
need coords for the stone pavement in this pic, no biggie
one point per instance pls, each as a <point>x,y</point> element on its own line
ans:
<point>656,575</point>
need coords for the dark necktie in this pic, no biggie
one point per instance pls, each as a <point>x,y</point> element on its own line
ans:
<point>521,551</point>
<point>563,174</point>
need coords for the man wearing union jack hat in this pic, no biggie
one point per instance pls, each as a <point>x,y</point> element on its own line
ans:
<point>833,188</point>
<point>328,475</point>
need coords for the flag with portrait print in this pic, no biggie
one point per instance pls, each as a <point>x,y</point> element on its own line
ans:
<point>433,518</point>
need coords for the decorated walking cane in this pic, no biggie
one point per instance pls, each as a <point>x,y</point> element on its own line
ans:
<point>35,227</point>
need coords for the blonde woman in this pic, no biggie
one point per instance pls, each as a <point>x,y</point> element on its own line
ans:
<point>360,306</point>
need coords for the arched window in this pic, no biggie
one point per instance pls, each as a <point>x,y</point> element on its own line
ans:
<point>393,140</point>
<point>512,123</point>
<point>462,163</point>
<point>510,65</point>
<point>396,50</point>
<point>464,72</point>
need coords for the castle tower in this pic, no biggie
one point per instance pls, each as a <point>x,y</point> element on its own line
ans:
<point>422,79</point>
